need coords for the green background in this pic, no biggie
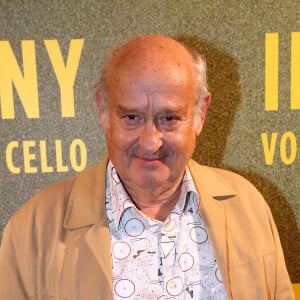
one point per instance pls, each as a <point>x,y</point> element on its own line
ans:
<point>231,35</point>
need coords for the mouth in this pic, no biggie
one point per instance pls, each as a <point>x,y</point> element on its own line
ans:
<point>149,160</point>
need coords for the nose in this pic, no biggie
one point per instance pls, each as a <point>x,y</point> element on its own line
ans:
<point>150,140</point>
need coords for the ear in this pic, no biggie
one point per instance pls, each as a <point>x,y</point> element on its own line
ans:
<point>102,114</point>
<point>206,103</point>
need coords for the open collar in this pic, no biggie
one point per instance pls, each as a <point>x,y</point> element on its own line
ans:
<point>86,205</point>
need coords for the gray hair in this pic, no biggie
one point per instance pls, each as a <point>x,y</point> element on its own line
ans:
<point>102,86</point>
<point>201,88</point>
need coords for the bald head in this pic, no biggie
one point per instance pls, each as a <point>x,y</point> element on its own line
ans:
<point>155,57</point>
<point>151,49</point>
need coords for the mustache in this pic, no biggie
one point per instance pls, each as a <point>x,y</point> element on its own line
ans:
<point>148,154</point>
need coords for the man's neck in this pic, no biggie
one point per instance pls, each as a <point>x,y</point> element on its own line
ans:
<point>155,204</point>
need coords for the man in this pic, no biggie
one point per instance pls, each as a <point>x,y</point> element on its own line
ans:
<point>148,222</point>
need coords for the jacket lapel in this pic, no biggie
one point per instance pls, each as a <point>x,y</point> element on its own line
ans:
<point>214,217</point>
<point>212,192</point>
<point>87,226</point>
<point>98,241</point>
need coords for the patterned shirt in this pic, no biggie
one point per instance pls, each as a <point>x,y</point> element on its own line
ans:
<point>160,260</point>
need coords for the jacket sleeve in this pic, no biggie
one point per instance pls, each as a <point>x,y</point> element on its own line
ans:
<point>283,288</point>
<point>11,277</point>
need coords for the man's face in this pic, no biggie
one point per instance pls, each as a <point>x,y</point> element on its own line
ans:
<point>151,134</point>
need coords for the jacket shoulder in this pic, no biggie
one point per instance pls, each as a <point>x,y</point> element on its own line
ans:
<point>46,200</point>
<point>50,203</point>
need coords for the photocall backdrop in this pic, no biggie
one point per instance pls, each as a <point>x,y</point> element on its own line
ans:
<point>50,56</point>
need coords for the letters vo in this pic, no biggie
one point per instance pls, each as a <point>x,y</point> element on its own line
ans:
<point>285,144</point>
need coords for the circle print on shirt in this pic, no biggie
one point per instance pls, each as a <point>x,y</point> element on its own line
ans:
<point>121,250</point>
<point>175,286</point>
<point>198,235</point>
<point>134,227</point>
<point>124,288</point>
<point>205,258</point>
<point>186,261</point>
<point>218,275</point>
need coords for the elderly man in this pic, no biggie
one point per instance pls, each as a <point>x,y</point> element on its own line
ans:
<point>148,222</point>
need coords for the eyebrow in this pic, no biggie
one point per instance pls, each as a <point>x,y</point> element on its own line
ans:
<point>126,109</point>
<point>164,110</point>
<point>167,107</point>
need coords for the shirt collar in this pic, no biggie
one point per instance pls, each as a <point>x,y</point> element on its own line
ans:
<point>85,194</point>
<point>118,196</point>
<point>121,201</point>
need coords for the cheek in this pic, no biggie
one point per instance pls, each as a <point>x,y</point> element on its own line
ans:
<point>181,143</point>
<point>121,141</point>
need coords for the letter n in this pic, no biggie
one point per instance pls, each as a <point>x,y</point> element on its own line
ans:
<point>25,84</point>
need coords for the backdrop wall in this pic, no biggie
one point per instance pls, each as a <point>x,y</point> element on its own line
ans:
<point>50,55</point>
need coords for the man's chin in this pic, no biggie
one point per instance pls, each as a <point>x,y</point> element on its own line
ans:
<point>152,181</point>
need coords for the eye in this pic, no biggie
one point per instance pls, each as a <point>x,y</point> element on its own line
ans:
<point>131,120</point>
<point>168,122</point>
<point>169,118</point>
<point>131,117</point>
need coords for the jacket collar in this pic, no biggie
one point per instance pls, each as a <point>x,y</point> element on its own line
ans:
<point>208,179</point>
<point>86,205</point>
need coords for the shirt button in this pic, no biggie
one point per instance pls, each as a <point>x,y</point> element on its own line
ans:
<point>172,284</point>
<point>169,226</point>
<point>166,226</point>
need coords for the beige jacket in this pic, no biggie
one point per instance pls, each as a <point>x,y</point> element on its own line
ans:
<point>57,246</point>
